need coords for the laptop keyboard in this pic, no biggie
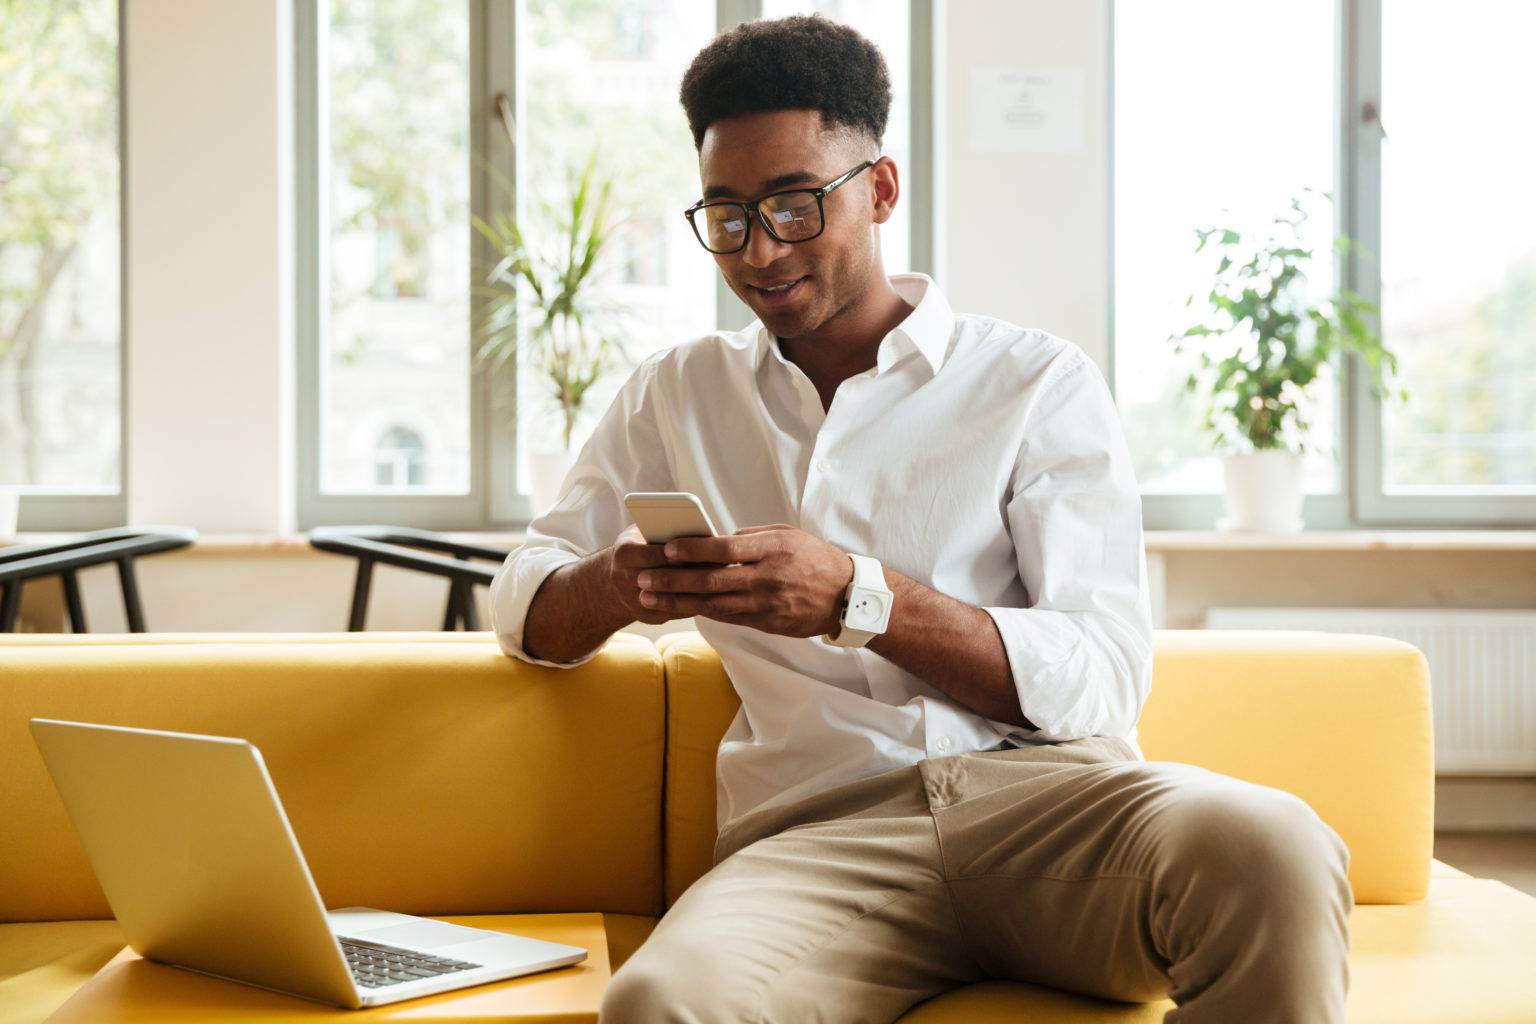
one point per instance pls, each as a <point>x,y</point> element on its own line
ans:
<point>375,965</point>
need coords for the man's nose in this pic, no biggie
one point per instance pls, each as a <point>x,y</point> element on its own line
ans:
<point>762,248</point>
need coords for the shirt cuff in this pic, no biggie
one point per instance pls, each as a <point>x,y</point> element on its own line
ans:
<point>512,592</point>
<point>1052,671</point>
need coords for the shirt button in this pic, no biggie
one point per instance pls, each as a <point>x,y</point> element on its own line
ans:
<point>823,465</point>
<point>944,743</point>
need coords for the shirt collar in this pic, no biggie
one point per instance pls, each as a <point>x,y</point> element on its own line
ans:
<point>927,328</point>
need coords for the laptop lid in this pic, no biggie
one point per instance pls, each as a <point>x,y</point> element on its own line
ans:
<point>195,855</point>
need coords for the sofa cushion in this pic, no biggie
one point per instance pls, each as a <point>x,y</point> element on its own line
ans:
<point>1462,956</point>
<point>425,776</point>
<point>41,964</point>
<point>625,934</point>
<point>1342,721</point>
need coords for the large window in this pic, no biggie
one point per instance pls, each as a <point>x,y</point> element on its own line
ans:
<point>60,265</point>
<point>395,167</point>
<point>414,115</point>
<point>1458,246</point>
<point>1223,111</point>
<point>1205,132</point>
<point>601,79</point>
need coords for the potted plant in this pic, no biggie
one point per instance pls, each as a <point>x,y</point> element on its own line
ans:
<point>543,298</point>
<point>1260,349</point>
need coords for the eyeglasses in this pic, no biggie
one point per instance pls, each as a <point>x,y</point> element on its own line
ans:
<point>796,215</point>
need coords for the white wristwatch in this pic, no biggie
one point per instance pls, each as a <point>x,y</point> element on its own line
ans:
<point>866,605</point>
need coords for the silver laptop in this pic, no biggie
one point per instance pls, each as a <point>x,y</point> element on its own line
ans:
<point>195,854</point>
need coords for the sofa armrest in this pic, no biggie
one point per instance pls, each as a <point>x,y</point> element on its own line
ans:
<point>1341,720</point>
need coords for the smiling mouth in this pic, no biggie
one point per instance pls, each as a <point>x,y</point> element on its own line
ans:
<point>780,292</point>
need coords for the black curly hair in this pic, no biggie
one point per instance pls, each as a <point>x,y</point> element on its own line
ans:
<point>803,62</point>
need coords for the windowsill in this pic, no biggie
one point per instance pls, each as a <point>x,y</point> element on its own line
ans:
<point>258,543</point>
<point>1157,541</point>
<point>1160,541</point>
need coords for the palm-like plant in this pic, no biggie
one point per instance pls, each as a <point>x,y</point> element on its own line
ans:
<point>572,332</point>
<point>1266,341</point>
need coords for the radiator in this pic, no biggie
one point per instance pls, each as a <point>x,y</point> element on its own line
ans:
<point>1482,670</point>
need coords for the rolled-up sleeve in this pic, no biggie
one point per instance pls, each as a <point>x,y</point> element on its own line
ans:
<point>1081,652</point>
<point>625,453</point>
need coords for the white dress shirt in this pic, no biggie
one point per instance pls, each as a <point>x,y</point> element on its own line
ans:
<point>983,460</point>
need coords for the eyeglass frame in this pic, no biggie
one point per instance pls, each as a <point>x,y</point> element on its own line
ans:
<point>753,211</point>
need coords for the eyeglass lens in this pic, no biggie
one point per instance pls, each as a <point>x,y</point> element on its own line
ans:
<point>792,217</point>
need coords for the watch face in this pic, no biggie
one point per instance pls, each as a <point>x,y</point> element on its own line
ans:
<point>867,609</point>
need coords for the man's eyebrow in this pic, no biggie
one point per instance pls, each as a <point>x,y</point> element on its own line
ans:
<point>771,185</point>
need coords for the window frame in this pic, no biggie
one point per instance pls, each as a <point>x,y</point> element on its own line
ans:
<point>426,511</point>
<point>1362,502</point>
<point>98,508</point>
<point>1360,35</point>
<point>493,500</point>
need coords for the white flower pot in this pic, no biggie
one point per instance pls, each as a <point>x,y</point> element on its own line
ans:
<point>10,509</point>
<point>547,470</point>
<point>1263,492</point>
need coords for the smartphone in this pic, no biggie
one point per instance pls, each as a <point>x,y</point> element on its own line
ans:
<point>664,515</point>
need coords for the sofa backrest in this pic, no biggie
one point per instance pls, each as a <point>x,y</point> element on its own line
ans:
<point>422,773</point>
<point>1342,721</point>
<point>431,774</point>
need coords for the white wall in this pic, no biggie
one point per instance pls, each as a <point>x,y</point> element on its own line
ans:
<point>1028,233</point>
<point>209,211</point>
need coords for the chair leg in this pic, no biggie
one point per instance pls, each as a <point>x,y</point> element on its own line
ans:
<point>360,595</point>
<point>467,608</point>
<point>73,603</point>
<point>10,604</point>
<point>451,613</point>
<point>129,580</point>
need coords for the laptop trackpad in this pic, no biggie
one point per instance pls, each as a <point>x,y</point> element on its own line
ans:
<point>425,935</point>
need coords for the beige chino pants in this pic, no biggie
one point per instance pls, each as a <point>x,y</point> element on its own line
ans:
<point>1074,865</point>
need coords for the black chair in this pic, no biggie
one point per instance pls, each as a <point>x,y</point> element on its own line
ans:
<point>66,557</point>
<point>405,548</point>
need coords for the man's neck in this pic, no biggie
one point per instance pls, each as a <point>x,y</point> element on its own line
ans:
<point>847,344</point>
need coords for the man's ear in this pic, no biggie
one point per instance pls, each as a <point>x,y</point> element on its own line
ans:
<point>885,188</point>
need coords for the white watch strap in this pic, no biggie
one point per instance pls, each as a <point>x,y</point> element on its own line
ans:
<point>867,572</point>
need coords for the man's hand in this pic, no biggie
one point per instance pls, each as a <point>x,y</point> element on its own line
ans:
<point>630,556</point>
<point>776,579</point>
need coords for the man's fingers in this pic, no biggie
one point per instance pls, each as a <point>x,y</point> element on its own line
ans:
<point>760,529</point>
<point>711,606</point>
<point>713,580</point>
<point>716,550</point>
<point>639,555</point>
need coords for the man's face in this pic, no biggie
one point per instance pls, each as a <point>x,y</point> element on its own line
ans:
<point>747,157</point>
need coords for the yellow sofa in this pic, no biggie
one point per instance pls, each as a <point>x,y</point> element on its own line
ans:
<point>430,774</point>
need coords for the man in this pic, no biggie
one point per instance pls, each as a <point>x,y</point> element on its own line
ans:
<point>955,793</point>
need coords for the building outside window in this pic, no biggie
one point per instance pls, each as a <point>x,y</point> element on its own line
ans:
<point>60,263</point>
